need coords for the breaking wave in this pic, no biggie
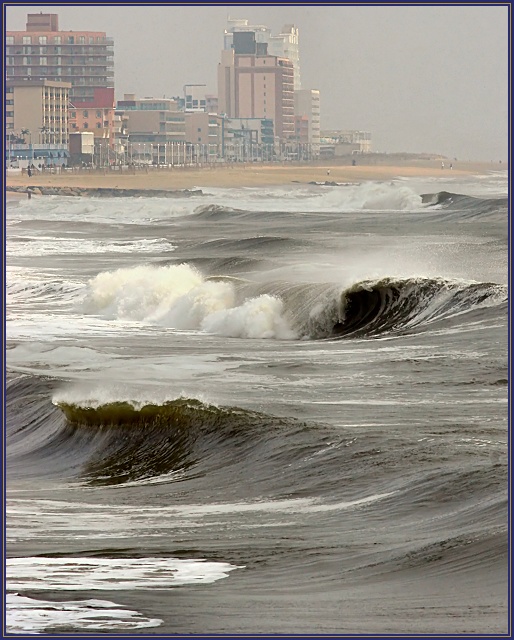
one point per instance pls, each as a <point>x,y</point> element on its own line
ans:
<point>469,207</point>
<point>180,297</point>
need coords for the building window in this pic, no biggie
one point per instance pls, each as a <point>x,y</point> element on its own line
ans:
<point>73,114</point>
<point>57,40</point>
<point>73,125</point>
<point>199,130</point>
<point>81,40</point>
<point>86,125</point>
<point>91,41</point>
<point>42,39</point>
<point>9,40</point>
<point>98,114</point>
<point>98,125</point>
<point>106,124</point>
<point>43,61</point>
<point>27,40</point>
<point>85,114</point>
<point>26,60</point>
<point>71,39</point>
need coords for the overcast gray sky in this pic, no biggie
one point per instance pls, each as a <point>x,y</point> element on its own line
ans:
<point>422,79</point>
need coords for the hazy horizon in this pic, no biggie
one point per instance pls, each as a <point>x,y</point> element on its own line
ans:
<point>428,79</point>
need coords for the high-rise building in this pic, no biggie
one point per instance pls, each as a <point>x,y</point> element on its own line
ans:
<point>306,104</point>
<point>42,52</point>
<point>253,84</point>
<point>84,59</point>
<point>286,45</point>
<point>283,45</point>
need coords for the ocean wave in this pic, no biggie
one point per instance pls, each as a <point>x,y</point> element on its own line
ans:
<point>468,207</point>
<point>121,442</point>
<point>214,212</point>
<point>43,246</point>
<point>180,297</point>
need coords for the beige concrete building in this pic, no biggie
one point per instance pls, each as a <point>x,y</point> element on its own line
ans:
<point>283,45</point>
<point>39,107</point>
<point>156,131</point>
<point>253,84</point>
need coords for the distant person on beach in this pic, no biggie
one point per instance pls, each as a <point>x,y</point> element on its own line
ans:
<point>29,172</point>
<point>451,165</point>
<point>328,172</point>
<point>442,165</point>
<point>354,163</point>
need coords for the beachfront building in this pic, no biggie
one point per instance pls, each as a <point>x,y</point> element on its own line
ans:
<point>247,139</point>
<point>97,119</point>
<point>157,132</point>
<point>342,142</point>
<point>306,104</point>
<point>36,120</point>
<point>84,59</point>
<point>283,45</point>
<point>254,84</point>
<point>42,51</point>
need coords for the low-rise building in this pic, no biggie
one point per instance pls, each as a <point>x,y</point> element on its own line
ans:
<point>96,116</point>
<point>340,142</point>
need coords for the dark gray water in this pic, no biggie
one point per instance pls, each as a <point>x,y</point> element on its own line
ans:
<point>259,411</point>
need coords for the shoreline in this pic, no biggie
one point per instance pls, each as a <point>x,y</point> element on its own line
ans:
<point>248,175</point>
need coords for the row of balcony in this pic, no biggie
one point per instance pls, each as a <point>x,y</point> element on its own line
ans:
<point>33,51</point>
<point>69,71</point>
<point>26,41</point>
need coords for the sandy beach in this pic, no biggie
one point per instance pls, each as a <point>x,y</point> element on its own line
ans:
<point>249,175</point>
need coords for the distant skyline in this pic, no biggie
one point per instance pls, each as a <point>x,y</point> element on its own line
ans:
<point>421,79</point>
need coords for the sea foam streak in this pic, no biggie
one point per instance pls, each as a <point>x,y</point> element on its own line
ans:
<point>30,615</point>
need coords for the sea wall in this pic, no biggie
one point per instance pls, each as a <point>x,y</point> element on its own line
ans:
<point>104,192</point>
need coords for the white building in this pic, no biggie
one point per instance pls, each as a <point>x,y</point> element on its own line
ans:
<point>306,103</point>
<point>284,45</point>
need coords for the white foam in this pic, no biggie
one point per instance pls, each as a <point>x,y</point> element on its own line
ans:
<point>372,196</point>
<point>110,574</point>
<point>29,615</point>
<point>179,297</point>
<point>37,246</point>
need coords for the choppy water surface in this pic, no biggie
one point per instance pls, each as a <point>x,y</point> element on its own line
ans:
<point>259,411</point>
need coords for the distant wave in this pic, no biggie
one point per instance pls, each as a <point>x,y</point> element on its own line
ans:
<point>214,212</point>
<point>182,298</point>
<point>468,207</point>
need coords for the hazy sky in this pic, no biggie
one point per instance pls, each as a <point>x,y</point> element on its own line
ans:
<point>429,78</point>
